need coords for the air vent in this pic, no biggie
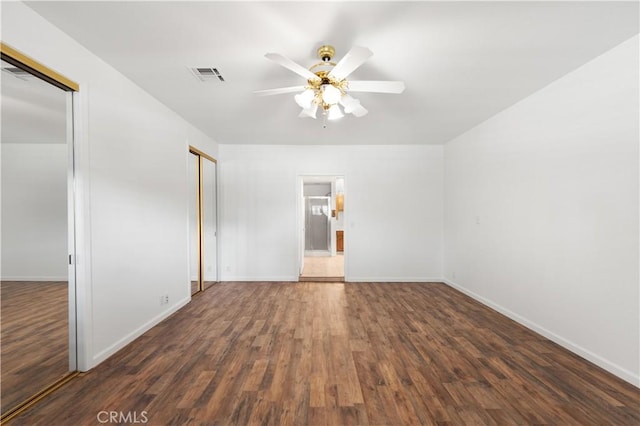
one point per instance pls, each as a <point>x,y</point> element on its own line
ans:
<point>207,73</point>
<point>18,73</point>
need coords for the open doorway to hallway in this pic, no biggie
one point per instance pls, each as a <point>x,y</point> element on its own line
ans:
<point>322,250</point>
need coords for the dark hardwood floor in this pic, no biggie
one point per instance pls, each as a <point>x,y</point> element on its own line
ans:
<point>334,354</point>
<point>34,351</point>
<point>195,286</point>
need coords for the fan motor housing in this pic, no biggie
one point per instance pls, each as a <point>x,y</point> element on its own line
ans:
<point>326,52</point>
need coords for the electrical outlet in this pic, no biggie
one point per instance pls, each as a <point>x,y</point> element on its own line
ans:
<point>453,275</point>
<point>164,299</point>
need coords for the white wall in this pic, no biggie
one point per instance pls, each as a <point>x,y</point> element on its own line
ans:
<point>541,211</point>
<point>132,191</point>
<point>34,212</point>
<point>384,186</point>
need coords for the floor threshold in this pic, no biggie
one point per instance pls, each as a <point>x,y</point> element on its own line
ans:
<point>321,279</point>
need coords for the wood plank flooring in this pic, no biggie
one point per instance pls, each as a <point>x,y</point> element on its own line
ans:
<point>337,354</point>
<point>34,348</point>
<point>195,287</point>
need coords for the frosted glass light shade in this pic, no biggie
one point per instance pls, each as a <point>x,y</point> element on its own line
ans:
<point>309,112</point>
<point>334,113</point>
<point>305,98</point>
<point>349,103</point>
<point>330,95</point>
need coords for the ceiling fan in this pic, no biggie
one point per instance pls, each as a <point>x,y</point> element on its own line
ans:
<point>327,87</point>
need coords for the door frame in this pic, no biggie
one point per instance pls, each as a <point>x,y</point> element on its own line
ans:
<point>301,179</point>
<point>202,156</point>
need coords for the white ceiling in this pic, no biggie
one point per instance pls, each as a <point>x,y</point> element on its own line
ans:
<point>462,62</point>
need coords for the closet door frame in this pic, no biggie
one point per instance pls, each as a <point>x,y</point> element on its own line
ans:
<point>202,157</point>
<point>24,62</point>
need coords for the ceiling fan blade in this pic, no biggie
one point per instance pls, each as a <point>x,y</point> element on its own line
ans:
<point>279,91</point>
<point>359,111</point>
<point>352,60</point>
<point>376,86</point>
<point>290,65</point>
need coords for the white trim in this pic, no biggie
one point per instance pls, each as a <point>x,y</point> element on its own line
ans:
<point>38,279</point>
<point>611,367</point>
<point>258,279</point>
<point>82,186</point>
<point>103,355</point>
<point>71,233</point>
<point>392,280</point>
<point>350,279</point>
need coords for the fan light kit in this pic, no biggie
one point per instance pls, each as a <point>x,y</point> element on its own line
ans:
<point>327,87</point>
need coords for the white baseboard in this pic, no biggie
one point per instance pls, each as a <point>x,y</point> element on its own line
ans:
<point>103,355</point>
<point>64,278</point>
<point>256,279</point>
<point>611,367</point>
<point>392,280</point>
<point>347,279</point>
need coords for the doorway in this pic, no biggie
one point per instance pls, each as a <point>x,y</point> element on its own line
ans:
<point>38,283</point>
<point>203,221</point>
<point>322,252</point>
